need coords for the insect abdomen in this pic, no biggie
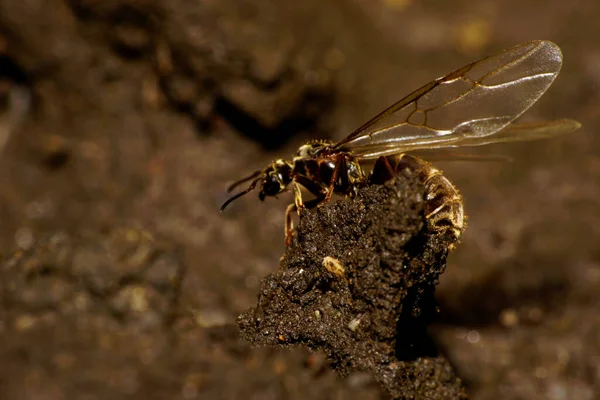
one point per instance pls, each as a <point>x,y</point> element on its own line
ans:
<point>443,204</point>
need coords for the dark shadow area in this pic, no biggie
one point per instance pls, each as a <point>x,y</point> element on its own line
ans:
<point>419,310</point>
<point>12,72</point>
<point>305,119</point>
<point>510,286</point>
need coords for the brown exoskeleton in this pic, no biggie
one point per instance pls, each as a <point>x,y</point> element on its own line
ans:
<point>472,106</point>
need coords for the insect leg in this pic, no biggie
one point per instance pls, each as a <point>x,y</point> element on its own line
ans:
<point>298,204</point>
<point>340,168</point>
<point>289,223</point>
<point>297,195</point>
<point>311,186</point>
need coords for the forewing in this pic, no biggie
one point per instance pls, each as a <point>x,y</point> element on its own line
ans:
<point>467,105</point>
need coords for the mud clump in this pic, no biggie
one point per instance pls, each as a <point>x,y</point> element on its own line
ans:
<point>358,285</point>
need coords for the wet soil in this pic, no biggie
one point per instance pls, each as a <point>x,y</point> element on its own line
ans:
<point>121,124</point>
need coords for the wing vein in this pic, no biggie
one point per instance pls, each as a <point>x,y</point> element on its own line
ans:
<point>462,107</point>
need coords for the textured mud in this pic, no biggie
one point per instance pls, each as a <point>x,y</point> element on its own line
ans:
<point>122,123</point>
<point>358,285</point>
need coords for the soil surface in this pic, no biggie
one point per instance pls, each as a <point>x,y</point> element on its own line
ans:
<point>121,125</point>
<point>358,285</point>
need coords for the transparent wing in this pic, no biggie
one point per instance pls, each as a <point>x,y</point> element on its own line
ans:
<point>522,132</point>
<point>465,107</point>
<point>525,132</point>
<point>449,155</point>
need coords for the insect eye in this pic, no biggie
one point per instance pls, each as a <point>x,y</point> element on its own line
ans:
<point>271,185</point>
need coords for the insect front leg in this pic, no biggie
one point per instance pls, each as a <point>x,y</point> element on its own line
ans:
<point>297,196</point>
<point>289,223</point>
<point>298,204</point>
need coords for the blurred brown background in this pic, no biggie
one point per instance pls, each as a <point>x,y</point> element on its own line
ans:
<point>123,122</point>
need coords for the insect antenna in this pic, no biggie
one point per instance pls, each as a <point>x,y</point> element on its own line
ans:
<point>246,179</point>
<point>240,194</point>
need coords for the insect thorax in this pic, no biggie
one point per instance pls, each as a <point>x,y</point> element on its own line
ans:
<point>311,148</point>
